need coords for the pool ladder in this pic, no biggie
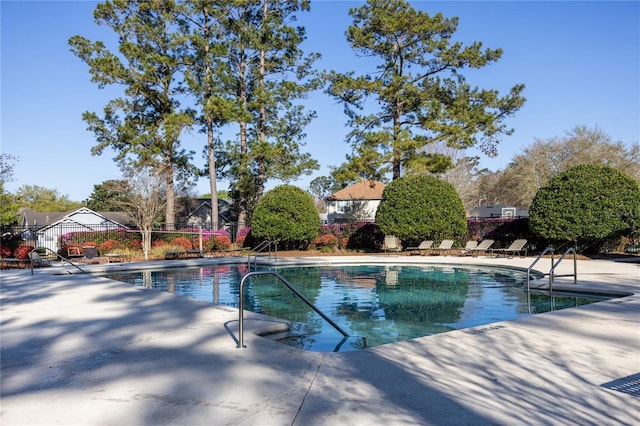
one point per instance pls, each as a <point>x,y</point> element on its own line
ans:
<point>265,245</point>
<point>290,287</point>
<point>62,258</point>
<point>552,273</point>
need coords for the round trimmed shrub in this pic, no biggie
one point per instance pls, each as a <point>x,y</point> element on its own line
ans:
<point>586,205</point>
<point>415,208</point>
<point>286,214</point>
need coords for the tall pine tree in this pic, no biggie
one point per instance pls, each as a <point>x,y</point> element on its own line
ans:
<point>144,125</point>
<point>417,95</point>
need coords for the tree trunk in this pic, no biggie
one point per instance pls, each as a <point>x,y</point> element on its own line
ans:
<point>170,208</point>
<point>212,175</point>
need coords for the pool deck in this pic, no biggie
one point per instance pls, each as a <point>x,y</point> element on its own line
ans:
<point>83,350</point>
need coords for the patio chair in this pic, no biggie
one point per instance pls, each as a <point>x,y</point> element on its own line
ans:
<point>444,247</point>
<point>482,247</point>
<point>518,246</point>
<point>37,261</point>
<point>391,243</point>
<point>422,248</point>
<point>91,256</point>
<point>468,247</point>
<point>74,253</point>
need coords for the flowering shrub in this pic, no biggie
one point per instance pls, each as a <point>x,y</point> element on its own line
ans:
<point>110,245</point>
<point>244,237</point>
<point>97,238</point>
<point>89,244</point>
<point>134,244</point>
<point>366,237</point>
<point>182,242</point>
<point>22,252</point>
<point>499,229</point>
<point>326,241</point>
<point>244,232</point>
<point>159,243</point>
<point>5,251</point>
<point>220,242</point>
<point>344,242</point>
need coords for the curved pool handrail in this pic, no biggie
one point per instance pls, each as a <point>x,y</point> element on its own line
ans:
<point>552,273</point>
<point>545,251</point>
<point>290,287</point>
<point>61,257</point>
<point>265,245</point>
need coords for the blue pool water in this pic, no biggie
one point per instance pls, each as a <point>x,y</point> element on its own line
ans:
<point>374,304</point>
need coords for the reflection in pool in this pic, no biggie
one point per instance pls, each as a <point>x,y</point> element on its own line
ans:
<point>376,304</point>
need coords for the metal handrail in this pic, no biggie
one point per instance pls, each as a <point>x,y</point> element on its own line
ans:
<point>296,292</point>
<point>575,266</point>
<point>551,273</point>
<point>59,256</point>
<point>546,250</point>
<point>260,248</point>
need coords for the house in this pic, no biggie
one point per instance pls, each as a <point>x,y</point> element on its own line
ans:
<point>498,211</point>
<point>197,213</point>
<point>44,229</point>
<point>359,202</point>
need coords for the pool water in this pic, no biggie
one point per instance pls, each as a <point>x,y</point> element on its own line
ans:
<point>374,304</point>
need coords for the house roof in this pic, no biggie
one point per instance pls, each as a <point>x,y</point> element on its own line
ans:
<point>40,220</point>
<point>224,208</point>
<point>363,190</point>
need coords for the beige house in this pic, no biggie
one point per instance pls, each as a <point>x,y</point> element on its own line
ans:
<point>357,202</point>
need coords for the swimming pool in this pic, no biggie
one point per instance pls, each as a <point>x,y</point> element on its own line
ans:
<point>375,304</point>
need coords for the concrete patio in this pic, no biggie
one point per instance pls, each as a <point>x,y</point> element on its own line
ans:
<point>78,349</point>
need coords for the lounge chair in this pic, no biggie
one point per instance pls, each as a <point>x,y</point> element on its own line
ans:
<point>468,247</point>
<point>518,246</point>
<point>444,247</point>
<point>193,253</point>
<point>482,247</point>
<point>391,243</point>
<point>422,248</point>
<point>74,253</point>
<point>37,261</point>
<point>91,256</point>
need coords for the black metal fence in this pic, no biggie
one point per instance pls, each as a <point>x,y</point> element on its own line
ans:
<point>56,236</point>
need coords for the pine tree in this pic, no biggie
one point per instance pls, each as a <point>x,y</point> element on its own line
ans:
<point>418,94</point>
<point>144,125</point>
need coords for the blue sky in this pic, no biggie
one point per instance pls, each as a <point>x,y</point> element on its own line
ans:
<point>578,60</point>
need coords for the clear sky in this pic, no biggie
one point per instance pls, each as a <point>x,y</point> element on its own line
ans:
<point>578,60</point>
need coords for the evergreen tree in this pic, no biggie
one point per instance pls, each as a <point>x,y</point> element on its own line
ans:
<point>108,196</point>
<point>418,94</point>
<point>206,52</point>
<point>145,124</point>
<point>263,74</point>
<point>585,205</point>
<point>43,199</point>
<point>8,205</point>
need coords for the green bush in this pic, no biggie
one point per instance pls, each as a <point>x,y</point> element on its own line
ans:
<point>286,214</point>
<point>585,206</point>
<point>415,208</point>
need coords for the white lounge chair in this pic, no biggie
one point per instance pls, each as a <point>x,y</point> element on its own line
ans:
<point>518,246</point>
<point>422,248</point>
<point>444,247</point>
<point>482,247</point>
<point>471,244</point>
<point>391,244</point>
